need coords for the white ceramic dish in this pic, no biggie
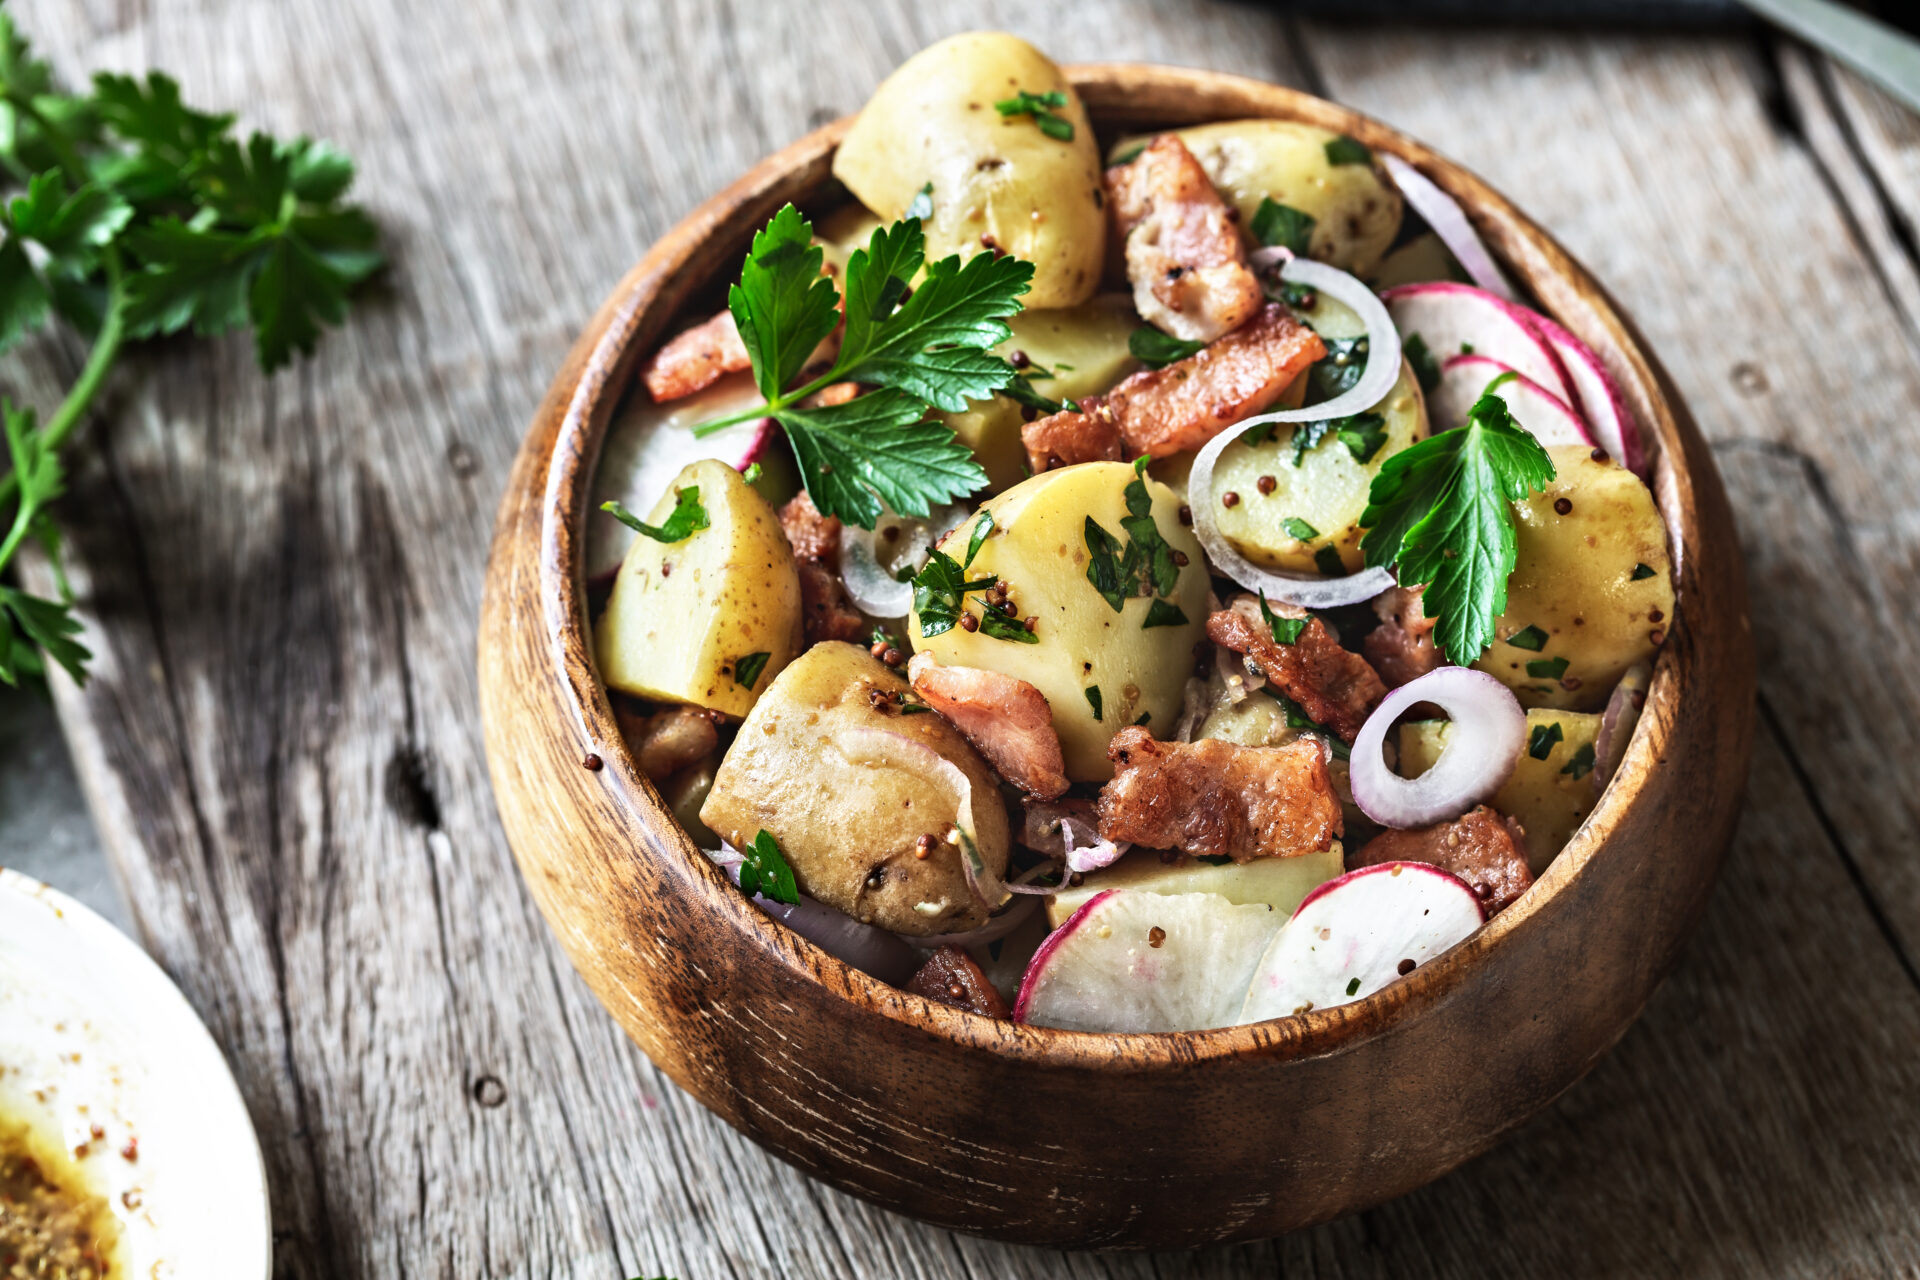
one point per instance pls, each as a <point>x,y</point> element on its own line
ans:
<point>93,1033</point>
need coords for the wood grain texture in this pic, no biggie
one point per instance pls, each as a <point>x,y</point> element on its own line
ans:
<point>282,748</point>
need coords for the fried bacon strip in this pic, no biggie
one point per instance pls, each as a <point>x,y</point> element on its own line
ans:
<point>950,976</point>
<point>1184,254</point>
<point>1401,648</point>
<point>1334,686</point>
<point>1487,851</point>
<point>696,359</point>
<point>1212,798</point>
<point>825,611</point>
<point>1067,437</point>
<point>1006,719</point>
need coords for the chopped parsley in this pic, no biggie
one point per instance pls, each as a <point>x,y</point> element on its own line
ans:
<point>1540,741</point>
<point>1345,150</point>
<point>1020,390</point>
<point>1041,106</point>
<point>1157,350</point>
<point>1582,763</point>
<point>1300,531</point>
<point>765,871</point>
<point>746,671</point>
<point>1532,638</point>
<point>1144,566</point>
<point>1353,984</point>
<point>981,528</point>
<point>687,518</point>
<point>1281,225</point>
<point>921,206</point>
<point>1293,293</point>
<point>1466,348</point>
<point>1547,668</point>
<point>1363,434</point>
<point>1001,626</point>
<point>1145,716</point>
<point>939,593</point>
<point>1307,437</point>
<point>753,473</point>
<point>1426,367</point>
<point>1340,370</point>
<point>1441,511</point>
<point>1164,613</point>
<point>1328,562</point>
<point>1285,630</point>
<point>1641,572</point>
<point>1094,700</point>
<point>1131,154</point>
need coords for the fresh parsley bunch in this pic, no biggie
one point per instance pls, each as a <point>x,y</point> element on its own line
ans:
<point>921,347</point>
<point>133,216</point>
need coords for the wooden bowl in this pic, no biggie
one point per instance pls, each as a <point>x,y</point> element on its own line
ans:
<point>1066,1138</point>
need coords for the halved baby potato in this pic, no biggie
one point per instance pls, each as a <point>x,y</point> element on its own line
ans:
<point>713,618</point>
<point>1548,796</point>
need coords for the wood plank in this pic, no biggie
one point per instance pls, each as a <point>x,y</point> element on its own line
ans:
<point>282,749</point>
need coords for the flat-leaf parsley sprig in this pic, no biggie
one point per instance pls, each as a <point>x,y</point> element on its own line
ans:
<point>1442,511</point>
<point>920,348</point>
<point>133,216</point>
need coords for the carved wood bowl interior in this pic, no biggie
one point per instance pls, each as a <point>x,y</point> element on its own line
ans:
<point>1067,1138</point>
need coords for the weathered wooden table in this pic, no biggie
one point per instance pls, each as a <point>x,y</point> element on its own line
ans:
<point>281,747</point>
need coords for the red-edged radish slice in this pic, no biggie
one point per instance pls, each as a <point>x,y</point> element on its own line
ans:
<point>1450,222</point>
<point>1464,379</point>
<point>1353,936</point>
<point>647,446</point>
<point>1596,395</point>
<point>1130,961</point>
<point>1458,319</point>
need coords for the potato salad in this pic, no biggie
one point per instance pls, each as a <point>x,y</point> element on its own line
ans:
<point>1126,583</point>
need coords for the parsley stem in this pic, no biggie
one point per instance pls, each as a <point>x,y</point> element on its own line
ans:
<point>106,347</point>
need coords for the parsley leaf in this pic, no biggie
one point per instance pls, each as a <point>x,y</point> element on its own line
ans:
<point>1582,762</point>
<point>939,593</point>
<point>1345,150</point>
<point>1157,350</point>
<point>921,206</point>
<point>764,871</point>
<point>1340,370</point>
<point>30,625</point>
<point>1095,701</point>
<point>1426,367</point>
<point>1297,718</point>
<point>1163,613</point>
<point>1540,741</point>
<point>1642,571</point>
<point>1143,566</point>
<point>746,671</point>
<point>687,518</point>
<point>1285,630</point>
<point>1547,668</point>
<point>1041,106</point>
<point>982,526</point>
<point>1283,225</point>
<point>1020,391</point>
<point>1299,529</point>
<point>1000,626</point>
<point>1329,563</point>
<point>1531,637</point>
<point>1363,434</point>
<point>1441,511</point>
<point>783,306</point>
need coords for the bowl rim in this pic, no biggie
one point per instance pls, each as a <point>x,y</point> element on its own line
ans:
<point>603,373</point>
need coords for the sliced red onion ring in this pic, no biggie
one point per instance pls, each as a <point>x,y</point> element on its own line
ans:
<point>992,931</point>
<point>1489,732</point>
<point>1449,221</point>
<point>1383,370</point>
<point>1093,850</point>
<point>1617,723</point>
<point>867,948</point>
<point>869,559</point>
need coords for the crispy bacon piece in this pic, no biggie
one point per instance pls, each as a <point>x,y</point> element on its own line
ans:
<point>1334,686</point>
<point>1486,850</point>
<point>1186,404</point>
<point>696,359</point>
<point>1040,822</point>
<point>1401,648</point>
<point>825,611</point>
<point>669,740</point>
<point>1211,798</point>
<point>950,976</point>
<point>1184,255</point>
<point>1065,438</point>
<point>1006,719</point>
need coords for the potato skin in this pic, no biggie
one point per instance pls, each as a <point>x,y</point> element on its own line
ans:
<point>682,614</point>
<point>1356,212</point>
<point>1032,196</point>
<point>1573,578</point>
<point>847,824</point>
<point>1547,800</point>
<point>1038,547</point>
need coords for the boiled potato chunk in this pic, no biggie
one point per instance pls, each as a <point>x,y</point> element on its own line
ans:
<point>1355,211</point>
<point>847,785</point>
<point>1549,798</point>
<point>684,614</point>
<point>1277,882</point>
<point>996,179</point>
<point>1596,580</point>
<point>1084,348</point>
<point>1038,549</point>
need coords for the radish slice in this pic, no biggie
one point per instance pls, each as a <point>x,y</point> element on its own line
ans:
<point>865,947</point>
<point>1383,370</point>
<point>1596,395</point>
<point>1450,222</point>
<point>871,559</point>
<point>647,446</point>
<point>1458,319</point>
<point>1354,935</point>
<point>1617,723</point>
<point>1464,379</point>
<point>1489,731</point>
<point>1129,961</point>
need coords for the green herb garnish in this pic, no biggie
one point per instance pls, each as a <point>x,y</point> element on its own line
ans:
<point>925,348</point>
<point>687,518</point>
<point>998,626</point>
<point>1582,762</point>
<point>1540,741</point>
<point>1276,224</point>
<point>1441,511</point>
<point>939,593</point>
<point>1144,566</point>
<point>1131,154</point>
<point>982,526</point>
<point>1532,638</point>
<point>1307,437</point>
<point>1426,367</point>
<point>1145,716</point>
<point>1345,150</point>
<point>1363,434</point>
<point>1297,718</point>
<point>1041,106</point>
<point>1163,613</point>
<point>1328,562</point>
<point>1340,370</point>
<point>1353,984</point>
<point>1547,668</point>
<point>1299,530</point>
<point>1020,391</point>
<point>764,871</point>
<point>1642,572</point>
<point>1285,630</point>
<point>746,671</point>
<point>1157,350</point>
<point>753,473</point>
<point>1094,700</point>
